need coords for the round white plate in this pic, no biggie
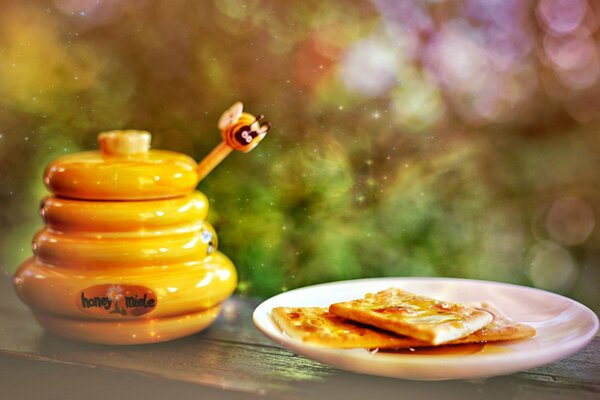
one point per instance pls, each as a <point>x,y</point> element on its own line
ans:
<point>563,327</point>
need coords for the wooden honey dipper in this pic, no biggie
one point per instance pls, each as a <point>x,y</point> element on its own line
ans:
<point>240,131</point>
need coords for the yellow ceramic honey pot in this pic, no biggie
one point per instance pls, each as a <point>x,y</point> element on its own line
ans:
<point>126,256</point>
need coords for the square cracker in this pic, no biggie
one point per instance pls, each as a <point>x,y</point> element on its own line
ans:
<point>501,328</point>
<point>429,320</point>
<point>316,325</point>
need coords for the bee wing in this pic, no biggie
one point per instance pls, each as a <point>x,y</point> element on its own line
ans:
<point>231,115</point>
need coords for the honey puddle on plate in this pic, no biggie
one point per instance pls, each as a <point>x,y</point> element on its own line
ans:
<point>452,350</point>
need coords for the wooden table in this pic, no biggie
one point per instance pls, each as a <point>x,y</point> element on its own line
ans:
<point>232,359</point>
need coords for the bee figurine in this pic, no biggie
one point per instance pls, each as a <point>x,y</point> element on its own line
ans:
<point>240,131</point>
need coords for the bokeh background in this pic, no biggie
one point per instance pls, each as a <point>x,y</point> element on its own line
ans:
<point>430,138</point>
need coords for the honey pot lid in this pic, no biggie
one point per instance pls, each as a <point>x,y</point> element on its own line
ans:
<point>123,169</point>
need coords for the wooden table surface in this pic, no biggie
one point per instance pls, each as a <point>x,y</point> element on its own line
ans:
<point>232,359</point>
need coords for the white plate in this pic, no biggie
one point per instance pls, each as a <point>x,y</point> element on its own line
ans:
<point>563,327</point>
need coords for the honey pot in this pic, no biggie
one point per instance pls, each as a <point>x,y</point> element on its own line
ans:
<point>126,255</point>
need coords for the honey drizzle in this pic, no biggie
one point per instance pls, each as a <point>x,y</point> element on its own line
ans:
<point>452,350</point>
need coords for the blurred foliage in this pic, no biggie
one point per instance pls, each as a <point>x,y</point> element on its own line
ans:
<point>433,138</point>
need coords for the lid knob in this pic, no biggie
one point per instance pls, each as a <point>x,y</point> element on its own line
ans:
<point>124,143</point>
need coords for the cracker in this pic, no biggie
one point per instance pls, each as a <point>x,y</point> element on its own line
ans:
<point>500,329</point>
<point>316,325</point>
<point>432,321</point>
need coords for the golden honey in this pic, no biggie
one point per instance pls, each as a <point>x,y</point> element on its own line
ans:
<point>126,255</point>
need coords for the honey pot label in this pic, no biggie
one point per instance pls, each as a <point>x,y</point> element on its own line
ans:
<point>123,300</point>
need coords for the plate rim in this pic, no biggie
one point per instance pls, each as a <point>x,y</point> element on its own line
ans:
<point>547,354</point>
